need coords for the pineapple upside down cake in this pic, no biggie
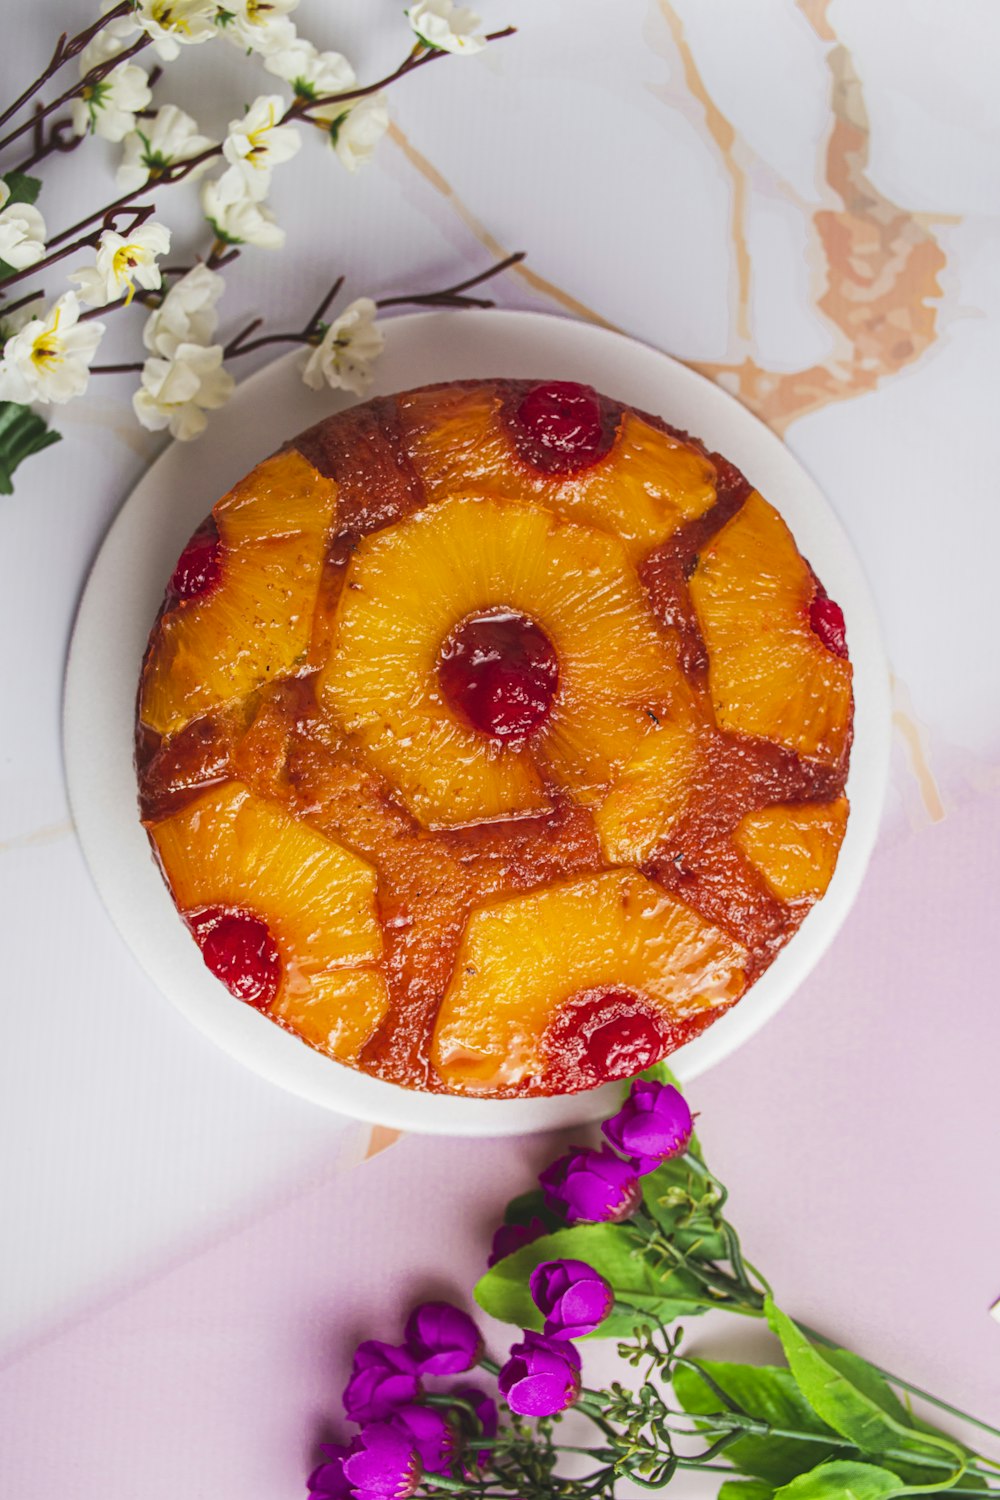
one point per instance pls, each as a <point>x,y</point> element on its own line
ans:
<point>492,738</point>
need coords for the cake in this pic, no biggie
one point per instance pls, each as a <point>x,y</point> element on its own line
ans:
<point>492,738</point>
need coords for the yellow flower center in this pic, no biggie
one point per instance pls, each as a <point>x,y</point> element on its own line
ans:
<point>257,137</point>
<point>124,261</point>
<point>163,14</point>
<point>45,351</point>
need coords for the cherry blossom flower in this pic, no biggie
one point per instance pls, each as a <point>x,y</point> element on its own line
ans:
<point>177,391</point>
<point>259,142</point>
<point>187,313</point>
<point>22,232</point>
<point>258,25</point>
<point>347,351</point>
<point>172,24</point>
<point>121,262</point>
<point>312,74</point>
<point>446,27</point>
<point>170,136</point>
<point>49,358</point>
<point>236,218</point>
<point>357,131</point>
<point>108,108</point>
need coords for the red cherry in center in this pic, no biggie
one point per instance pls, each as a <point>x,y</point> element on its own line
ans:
<point>239,950</point>
<point>501,672</point>
<point>827,620</point>
<point>559,427</point>
<point>199,565</point>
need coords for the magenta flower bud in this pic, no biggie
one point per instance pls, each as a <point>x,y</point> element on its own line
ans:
<point>442,1339</point>
<point>328,1482</point>
<point>430,1432</point>
<point>486,1420</point>
<point>382,1464</point>
<point>591,1187</point>
<point>652,1125</point>
<point>572,1296</point>
<point>541,1377</point>
<point>383,1377</point>
<point>511,1237</point>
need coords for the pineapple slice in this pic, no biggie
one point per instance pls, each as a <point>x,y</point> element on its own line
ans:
<point>652,791</point>
<point>795,848</point>
<point>522,958</point>
<point>232,850</point>
<point>254,624</point>
<point>406,591</point>
<point>643,490</point>
<point>769,673</point>
<point>337,1013</point>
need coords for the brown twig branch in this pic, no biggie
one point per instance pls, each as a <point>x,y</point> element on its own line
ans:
<point>87,81</point>
<point>64,50</point>
<point>62,136</point>
<point>138,214</point>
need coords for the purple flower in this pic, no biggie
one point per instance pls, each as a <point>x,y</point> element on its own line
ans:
<point>652,1125</point>
<point>429,1431</point>
<point>541,1377</point>
<point>327,1482</point>
<point>382,1464</point>
<point>591,1186</point>
<point>442,1339</point>
<point>511,1237</point>
<point>484,1407</point>
<point>572,1296</point>
<point>383,1377</point>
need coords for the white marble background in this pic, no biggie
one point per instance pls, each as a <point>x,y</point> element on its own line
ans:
<point>667,167</point>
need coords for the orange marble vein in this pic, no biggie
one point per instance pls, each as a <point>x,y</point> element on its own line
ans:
<point>724,135</point>
<point>882,265</point>
<point>916,753</point>
<point>539,284</point>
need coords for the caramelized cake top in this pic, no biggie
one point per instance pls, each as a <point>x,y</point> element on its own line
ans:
<point>492,737</point>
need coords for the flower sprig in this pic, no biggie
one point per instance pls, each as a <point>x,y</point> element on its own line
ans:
<point>620,1242</point>
<point>114,252</point>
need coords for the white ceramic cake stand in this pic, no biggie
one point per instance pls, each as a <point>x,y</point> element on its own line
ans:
<point>138,555</point>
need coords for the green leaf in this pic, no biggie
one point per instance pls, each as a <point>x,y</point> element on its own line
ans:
<point>23,189</point>
<point>746,1489</point>
<point>653,1292</point>
<point>843,1481</point>
<point>22,433</point>
<point>830,1386</point>
<point>528,1206</point>
<point>771,1395</point>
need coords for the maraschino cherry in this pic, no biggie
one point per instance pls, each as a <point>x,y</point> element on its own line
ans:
<point>605,1035</point>
<point>827,620</point>
<point>199,565</point>
<point>559,427</point>
<point>239,949</point>
<point>501,672</point>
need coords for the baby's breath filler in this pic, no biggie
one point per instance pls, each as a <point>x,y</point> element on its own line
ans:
<point>52,284</point>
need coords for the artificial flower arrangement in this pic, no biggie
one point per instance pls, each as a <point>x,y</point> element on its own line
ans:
<point>621,1243</point>
<point>114,255</point>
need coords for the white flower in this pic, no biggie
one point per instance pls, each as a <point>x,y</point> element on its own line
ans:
<point>312,74</point>
<point>175,23</point>
<point>187,313</point>
<point>258,25</point>
<point>108,108</point>
<point>177,392</point>
<point>170,136</point>
<point>49,358</point>
<point>259,142</point>
<point>121,262</point>
<point>445,26</point>
<point>22,232</point>
<point>237,218</point>
<point>349,348</point>
<point>357,131</point>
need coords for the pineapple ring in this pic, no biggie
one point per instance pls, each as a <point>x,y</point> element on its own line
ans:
<point>523,957</point>
<point>231,849</point>
<point>642,491</point>
<point>795,848</point>
<point>769,673</point>
<point>408,588</point>
<point>255,623</point>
